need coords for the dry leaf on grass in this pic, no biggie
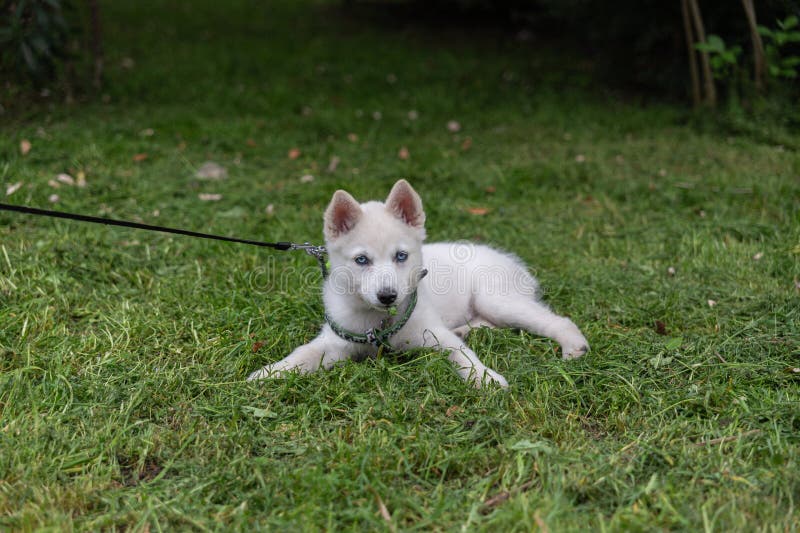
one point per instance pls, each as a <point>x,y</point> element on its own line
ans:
<point>211,171</point>
<point>467,144</point>
<point>308,178</point>
<point>54,184</point>
<point>383,510</point>
<point>81,181</point>
<point>209,197</point>
<point>352,137</point>
<point>138,158</point>
<point>333,164</point>
<point>294,153</point>
<point>66,179</point>
<point>453,126</point>
<point>453,409</point>
<point>478,210</point>
<point>24,146</point>
<point>403,153</point>
<point>53,198</point>
<point>14,187</point>
<point>258,345</point>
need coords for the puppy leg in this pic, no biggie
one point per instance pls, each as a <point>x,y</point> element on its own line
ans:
<point>526,313</point>
<point>322,352</point>
<point>477,322</point>
<point>467,364</point>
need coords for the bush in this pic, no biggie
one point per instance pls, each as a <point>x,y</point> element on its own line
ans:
<point>33,38</point>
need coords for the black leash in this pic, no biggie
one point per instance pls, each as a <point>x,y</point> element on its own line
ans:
<point>317,251</point>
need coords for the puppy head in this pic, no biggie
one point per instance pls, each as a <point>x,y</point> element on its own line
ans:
<point>375,248</point>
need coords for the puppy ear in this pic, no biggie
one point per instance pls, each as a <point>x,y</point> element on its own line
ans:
<point>404,203</point>
<point>341,215</point>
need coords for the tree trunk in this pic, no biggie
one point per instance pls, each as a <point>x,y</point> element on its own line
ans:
<point>687,30</point>
<point>759,57</point>
<point>96,43</point>
<point>708,78</point>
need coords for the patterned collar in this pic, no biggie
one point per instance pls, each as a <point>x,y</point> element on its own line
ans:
<point>376,336</point>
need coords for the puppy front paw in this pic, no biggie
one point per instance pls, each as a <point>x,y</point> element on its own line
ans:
<point>484,377</point>
<point>490,376</point>
<point>574,348</point>
<point>267,372</point>
<point>258,374</point>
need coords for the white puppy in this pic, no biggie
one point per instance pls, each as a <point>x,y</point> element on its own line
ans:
<point>387,289</point>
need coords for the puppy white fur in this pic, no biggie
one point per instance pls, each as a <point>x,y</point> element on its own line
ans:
<point>377,260</point>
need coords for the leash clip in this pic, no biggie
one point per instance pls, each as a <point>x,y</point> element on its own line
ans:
<point>318,252</point>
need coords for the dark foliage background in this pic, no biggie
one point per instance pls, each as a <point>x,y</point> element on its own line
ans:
<point>634,45</point>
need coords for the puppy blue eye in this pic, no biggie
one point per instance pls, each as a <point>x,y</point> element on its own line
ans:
<point>362,260</point>
<point>400,256</point>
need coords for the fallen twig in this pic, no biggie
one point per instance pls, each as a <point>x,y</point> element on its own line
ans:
<point>501,497</point>
<point>384,511</point>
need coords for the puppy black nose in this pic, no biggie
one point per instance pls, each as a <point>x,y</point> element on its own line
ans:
<point>387,297</point>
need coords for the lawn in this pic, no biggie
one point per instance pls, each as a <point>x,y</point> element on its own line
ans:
<point>674,245</point>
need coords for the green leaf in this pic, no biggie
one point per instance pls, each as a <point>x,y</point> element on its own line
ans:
<point>674,343</point>
<point>789,23</point>
<point>791,61</point>
<point>716,43</point>
<point>528,446</point>
<point>258,412</point>
<point>659,361</point>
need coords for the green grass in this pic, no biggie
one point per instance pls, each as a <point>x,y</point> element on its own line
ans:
<point>123,354</point>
